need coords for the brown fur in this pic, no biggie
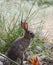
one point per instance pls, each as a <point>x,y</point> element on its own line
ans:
<point>19,46</point>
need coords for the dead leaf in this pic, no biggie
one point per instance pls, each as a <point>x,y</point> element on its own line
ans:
<point>34,61</point>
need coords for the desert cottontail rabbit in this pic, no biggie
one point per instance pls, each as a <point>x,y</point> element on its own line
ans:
<point>19,46</point>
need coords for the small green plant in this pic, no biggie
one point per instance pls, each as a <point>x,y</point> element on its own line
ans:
<point>10,39</point>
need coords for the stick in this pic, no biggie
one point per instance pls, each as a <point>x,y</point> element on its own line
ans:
<point>8,58</point>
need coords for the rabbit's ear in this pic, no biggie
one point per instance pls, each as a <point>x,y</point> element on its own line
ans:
<point>24,25</point>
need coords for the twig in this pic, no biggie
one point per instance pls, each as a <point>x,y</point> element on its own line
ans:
<point>8,58</point>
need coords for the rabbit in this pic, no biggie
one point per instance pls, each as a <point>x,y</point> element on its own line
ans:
<point>20,45</point>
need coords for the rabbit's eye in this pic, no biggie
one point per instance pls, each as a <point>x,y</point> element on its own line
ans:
<point>31,33</point>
